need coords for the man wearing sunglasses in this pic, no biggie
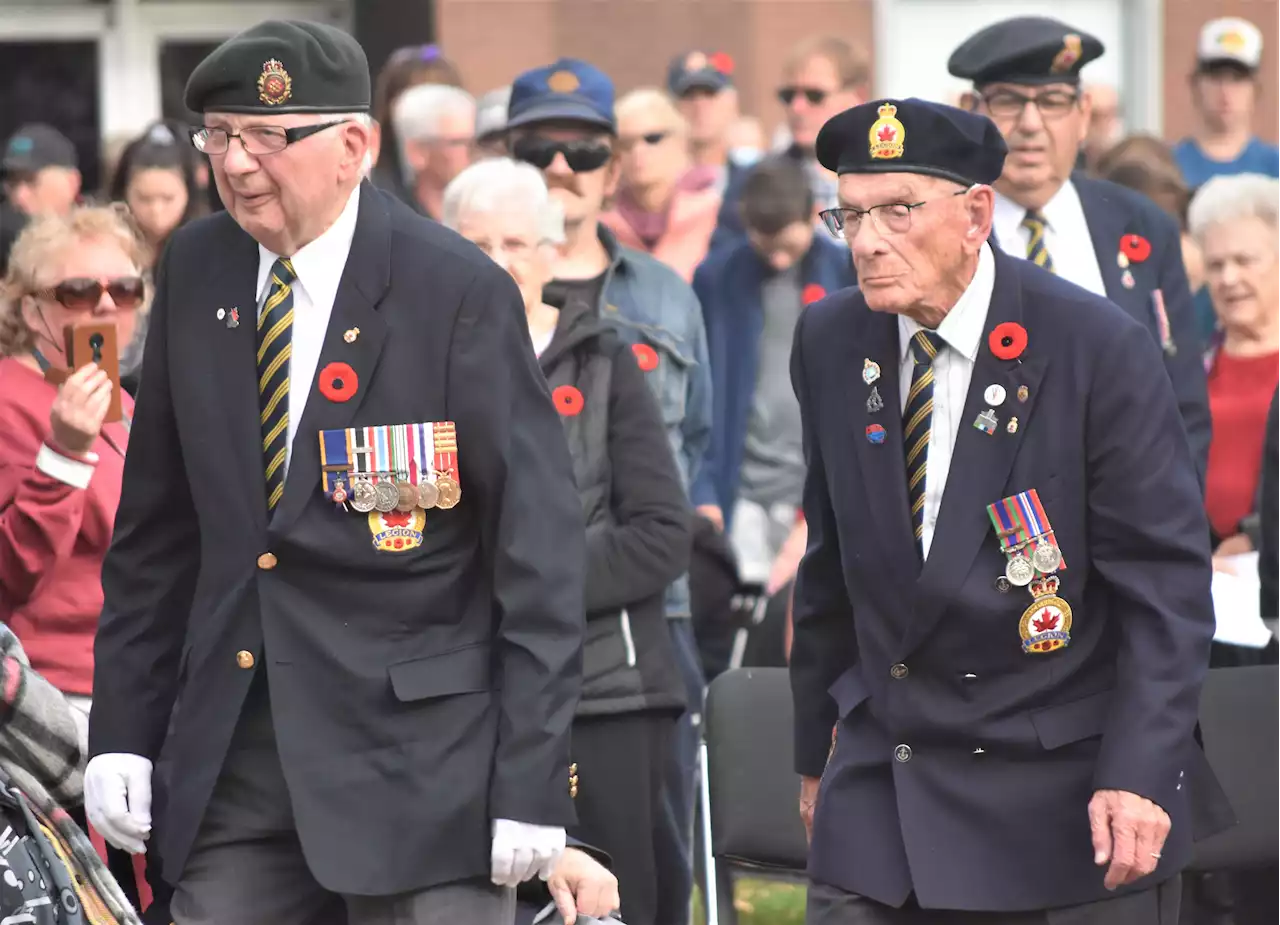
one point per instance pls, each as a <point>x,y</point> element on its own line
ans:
<point>353,713</point>
<point>561,120</point>
<point>1110,240</point>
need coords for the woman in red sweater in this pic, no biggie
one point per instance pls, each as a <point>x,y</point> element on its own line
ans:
<point>60,465</point>
<point>1234,219</point>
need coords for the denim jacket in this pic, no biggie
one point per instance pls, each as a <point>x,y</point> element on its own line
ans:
<point>648,303</point>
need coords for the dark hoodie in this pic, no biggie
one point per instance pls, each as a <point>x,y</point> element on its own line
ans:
<point>639,526</point>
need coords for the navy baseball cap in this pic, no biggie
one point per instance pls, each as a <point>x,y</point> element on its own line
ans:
<point>700,71</point>
<point>569,90</point>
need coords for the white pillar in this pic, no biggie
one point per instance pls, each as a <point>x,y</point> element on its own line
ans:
<point>129,70</point>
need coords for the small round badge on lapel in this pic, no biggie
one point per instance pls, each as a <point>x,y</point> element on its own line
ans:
<point>350,335</point>
<point>338,382</point>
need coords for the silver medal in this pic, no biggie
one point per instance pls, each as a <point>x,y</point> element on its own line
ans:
<point>388,496</point>
<point>363,497</point>
<point>1019,570</point>
<point>1046,558</point>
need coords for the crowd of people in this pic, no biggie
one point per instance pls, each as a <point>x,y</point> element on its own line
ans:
<point>659,254</point>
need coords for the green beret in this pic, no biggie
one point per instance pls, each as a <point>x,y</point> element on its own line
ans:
<point>283,66</point>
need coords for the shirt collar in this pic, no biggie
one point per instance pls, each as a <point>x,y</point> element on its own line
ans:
<point>961,329</point>
<point>1058,211</point>
<point>318,265</point>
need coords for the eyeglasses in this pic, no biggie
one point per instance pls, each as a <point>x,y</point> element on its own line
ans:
<point>815,97</point>
<point>1006,104</point>
<point>581,156</point>
<point>890,218</point>
<point>82,294</point>
<point>257,139</point>
<point>651,139</point>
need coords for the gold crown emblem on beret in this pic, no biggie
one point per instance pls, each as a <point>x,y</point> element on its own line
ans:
<point>563,82</point>
<point>887,134</point>
<point>275,86</point>
<point>1064,60</point>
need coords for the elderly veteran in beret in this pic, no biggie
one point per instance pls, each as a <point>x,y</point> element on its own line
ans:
<point>1109,240</point>
<point>1003,617</point>
<point>343,615</point>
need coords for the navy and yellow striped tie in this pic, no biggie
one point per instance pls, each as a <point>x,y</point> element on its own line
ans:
<point>275,343</point>
<point>1037,253</point>
<point>917,420</point>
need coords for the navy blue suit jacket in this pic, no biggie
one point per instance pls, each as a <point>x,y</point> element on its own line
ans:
<point>988,812</point>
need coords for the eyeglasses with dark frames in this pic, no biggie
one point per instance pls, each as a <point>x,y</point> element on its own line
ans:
<point>890,218</point>
<point>1009,104</point>
<point>256,139</point>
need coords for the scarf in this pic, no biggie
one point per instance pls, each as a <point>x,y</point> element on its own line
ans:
<point>40,753</point>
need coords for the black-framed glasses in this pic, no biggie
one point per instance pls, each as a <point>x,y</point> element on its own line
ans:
<point>890,218</point>
<point>581,156</point>
<point>1009,104</point>
<point>815,97</point>
<point>257,139</point>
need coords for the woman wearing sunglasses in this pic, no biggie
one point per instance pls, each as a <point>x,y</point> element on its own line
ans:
<point>60,464</point>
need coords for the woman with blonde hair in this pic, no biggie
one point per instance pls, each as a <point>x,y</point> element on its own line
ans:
<point>61,463</point>
<point>662,207</point>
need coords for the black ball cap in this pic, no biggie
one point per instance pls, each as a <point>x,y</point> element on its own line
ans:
<point>283,66</point>
<point>1026,50</point>
<point>913,136</point>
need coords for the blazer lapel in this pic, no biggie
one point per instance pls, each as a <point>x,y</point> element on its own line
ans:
<point>1106,228</point>
<point>883,464</point>
<point>981,462</point>
<point>364,281</point>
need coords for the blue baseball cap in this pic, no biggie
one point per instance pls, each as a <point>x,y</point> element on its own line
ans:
<point>569,90</point>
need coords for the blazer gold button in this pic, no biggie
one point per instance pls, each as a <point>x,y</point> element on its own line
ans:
<point>898,672</point>
<point>244,658</point>
<point>902,753</point>
<point>267,561</point>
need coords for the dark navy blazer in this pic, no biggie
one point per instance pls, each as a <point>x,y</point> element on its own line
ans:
<point>988,809</point>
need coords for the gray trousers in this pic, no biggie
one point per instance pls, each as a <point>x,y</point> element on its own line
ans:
<point>828,905</point>
<point>247,866</point>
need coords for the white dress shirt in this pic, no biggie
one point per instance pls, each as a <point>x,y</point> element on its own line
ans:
<point>319,267</point>
<point>961,332</point>
<point>1066,237</point>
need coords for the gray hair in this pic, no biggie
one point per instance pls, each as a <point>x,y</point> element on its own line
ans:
<point>417,113</point>
<point>1228,199</point>
<point>491,112</point>
<point>500,183</point>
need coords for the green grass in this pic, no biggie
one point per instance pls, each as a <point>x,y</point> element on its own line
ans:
<point>761,902</point>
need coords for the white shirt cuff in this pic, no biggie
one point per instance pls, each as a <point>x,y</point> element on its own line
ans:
<point>71,471</point>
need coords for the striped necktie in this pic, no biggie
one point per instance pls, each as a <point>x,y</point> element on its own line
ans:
<point>917,420</point>
<point>275,329</point>
<point>1037,253</point>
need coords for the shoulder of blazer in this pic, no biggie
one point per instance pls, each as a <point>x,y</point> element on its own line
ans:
<point>1063,313</point>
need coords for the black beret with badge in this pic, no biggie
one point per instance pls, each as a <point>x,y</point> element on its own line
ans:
<point>1029,50</point>
<point>913,136</point>
<point>283,66</point>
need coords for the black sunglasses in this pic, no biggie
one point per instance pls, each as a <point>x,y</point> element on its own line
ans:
<point>581,156</point>
<point>81,294</point>
<point>789,94</point>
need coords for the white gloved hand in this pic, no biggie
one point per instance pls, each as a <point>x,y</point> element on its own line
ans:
<point>117,799</point>
<point>521,850</point>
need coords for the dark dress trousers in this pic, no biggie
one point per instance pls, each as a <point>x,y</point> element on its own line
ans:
<point>963,768</point>
<point>416,695</point>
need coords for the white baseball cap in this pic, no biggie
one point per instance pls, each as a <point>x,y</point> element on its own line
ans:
<point>1230,40</point>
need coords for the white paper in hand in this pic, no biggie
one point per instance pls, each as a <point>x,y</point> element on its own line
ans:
<point>1236,605</point>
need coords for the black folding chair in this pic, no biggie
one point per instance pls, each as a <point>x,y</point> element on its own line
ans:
<point>750,814</point>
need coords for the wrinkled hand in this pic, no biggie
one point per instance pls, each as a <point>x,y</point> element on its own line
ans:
<point>1129,832</point>
<point>521,850</point>
<point>117,799</point>
<point>808,799</point>
<point>712,513</point>
<point>80,408</point>
<point>580,884</point>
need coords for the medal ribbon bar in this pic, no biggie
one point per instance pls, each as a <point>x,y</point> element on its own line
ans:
<point>335,462</point>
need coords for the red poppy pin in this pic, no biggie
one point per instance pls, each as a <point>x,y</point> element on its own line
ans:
<point>338,382</point>
<point>568,400</point>
<point>812,293</point>
<point>646,357</point>
<point>722,62</point>
<point>1007,340</point>
<point>1135,247</point>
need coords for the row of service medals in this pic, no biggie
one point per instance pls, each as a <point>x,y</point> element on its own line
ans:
<point>396,467</point>
<point>1032,561</point>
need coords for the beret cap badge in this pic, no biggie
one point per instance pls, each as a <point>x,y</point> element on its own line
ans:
<point>563,82</point>
<point>1064,60</point>
<point>887,134</point>
<point>275,86</point>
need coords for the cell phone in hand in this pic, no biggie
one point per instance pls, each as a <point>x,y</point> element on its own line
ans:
<point>93,341</point>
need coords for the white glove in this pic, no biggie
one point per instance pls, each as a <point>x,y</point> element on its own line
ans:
<point>521,850</point>
<point>117,799</point>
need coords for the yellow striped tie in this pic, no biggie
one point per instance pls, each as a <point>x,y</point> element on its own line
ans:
<point>275,330</point>
<point>917,420</point>
<point>1037,253</point>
